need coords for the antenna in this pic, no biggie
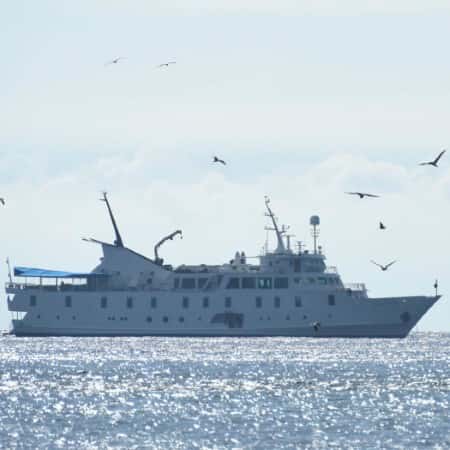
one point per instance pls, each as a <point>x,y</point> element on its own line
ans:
<point>269,213</point>
<point>9,270</point>
<point>284,230</point>
<point>118,241</point>
<point>314,221</point>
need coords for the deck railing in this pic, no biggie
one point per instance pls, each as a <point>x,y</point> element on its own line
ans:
<point>355,286</point>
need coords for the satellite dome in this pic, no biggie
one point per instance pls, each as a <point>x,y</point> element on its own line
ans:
<point>314,220</point>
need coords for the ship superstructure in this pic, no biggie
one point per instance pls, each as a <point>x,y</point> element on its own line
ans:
<point>289,293</point>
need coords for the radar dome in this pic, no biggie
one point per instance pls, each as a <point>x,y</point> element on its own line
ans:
<point>314,220</point>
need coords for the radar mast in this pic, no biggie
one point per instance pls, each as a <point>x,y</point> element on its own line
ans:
<point>280,244</point>
<point>118,241</point>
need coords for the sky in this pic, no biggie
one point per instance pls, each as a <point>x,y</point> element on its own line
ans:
<point>304,100</point>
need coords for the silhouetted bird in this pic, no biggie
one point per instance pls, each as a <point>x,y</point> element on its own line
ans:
<point>383,268</point>
<point>2,201</point>
<point>115,60</point>
<point>165,64</point>
<point>218,160</point>
<point>382,226</point>
<point>433,163</point>
<point>362,194</point>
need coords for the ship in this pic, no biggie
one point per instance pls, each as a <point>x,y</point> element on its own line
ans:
<point>285,292</point>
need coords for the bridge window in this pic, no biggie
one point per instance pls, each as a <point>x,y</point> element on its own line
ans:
<point>258,302</point>
<point>188,283</point>
<point>129,302</point>
<point>322,280</point>
<point>277,302</point>
<point>202,282</point>
<point>331,300</point>
<point>265,283</point>
<point>68,301</point>
<point>298,302</point>
<point>103,302</point>
<point>228,302</point>
<point>205,302</point>
<point>33,300</point>
<point>248,283</point>
<point>233,283</point>
<point>185,302</point>
<point>281,283</point>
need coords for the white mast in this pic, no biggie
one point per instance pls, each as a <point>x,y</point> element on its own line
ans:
<point>280,246</point>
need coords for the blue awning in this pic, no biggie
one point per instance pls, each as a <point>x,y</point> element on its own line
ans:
<point>44,273</point>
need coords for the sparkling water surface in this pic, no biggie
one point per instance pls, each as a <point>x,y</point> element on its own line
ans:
<point>225,393</point>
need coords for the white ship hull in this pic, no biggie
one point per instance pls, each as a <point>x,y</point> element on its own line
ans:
<point>348,317</point>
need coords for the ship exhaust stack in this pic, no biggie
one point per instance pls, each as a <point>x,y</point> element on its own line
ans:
<point>314,221</point>
<point>118,241</point>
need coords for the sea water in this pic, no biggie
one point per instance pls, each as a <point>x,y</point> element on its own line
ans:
<point>176,393</point>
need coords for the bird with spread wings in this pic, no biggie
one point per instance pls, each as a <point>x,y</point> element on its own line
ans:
<point>385,267</point>
<point>218,160</point>
<point>433,163</point>
<point>115,60</point>
<point>166,64</point>
<point>362,194</point>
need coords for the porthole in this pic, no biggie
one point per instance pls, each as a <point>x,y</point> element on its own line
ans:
<point>181,319</point>
<point>149,319</point>
<point>405,316</point>
<point>165,319</point>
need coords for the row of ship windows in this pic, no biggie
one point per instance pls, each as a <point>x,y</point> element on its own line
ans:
<point>254,282</point>
<point>185,302</point>
<point>165,319</point>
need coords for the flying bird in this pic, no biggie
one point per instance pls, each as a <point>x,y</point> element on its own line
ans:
<point>383,268</point>
<point>362,194</point>
<point>166,64</point>
<point>218,160</point>
<point>433,163</point>
<point>2,201</point>
<point>382,226</point>
<point>115,60</point>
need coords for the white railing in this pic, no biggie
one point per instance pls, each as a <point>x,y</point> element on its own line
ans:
<point>355,286</point>
<point>331,269</point>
